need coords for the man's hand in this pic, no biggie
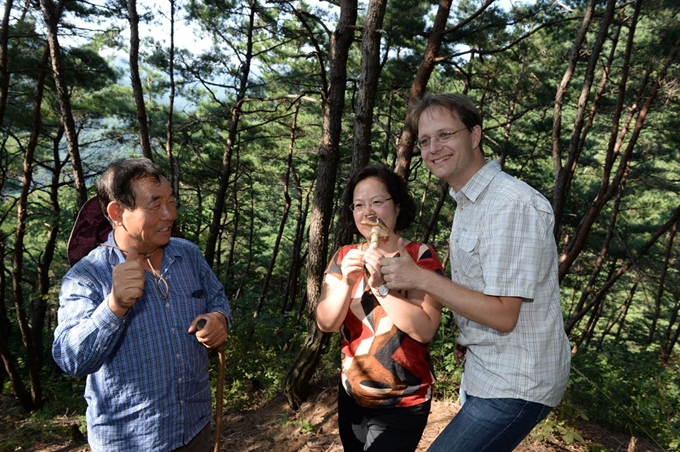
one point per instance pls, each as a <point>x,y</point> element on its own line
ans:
<point>401,273</point>
<point>213,333</point>
<point>127,284</point>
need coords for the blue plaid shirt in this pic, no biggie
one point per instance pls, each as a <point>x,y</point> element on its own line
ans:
<point>147,378</point>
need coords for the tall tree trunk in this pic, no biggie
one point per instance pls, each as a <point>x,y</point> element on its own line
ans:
<point>560,170</point>
<point>136,81</point>
<point>671,336</point>
<point>173,161</point>
<point>443,196</point>
<point>606,285</point>
<point>298,253</point>
<point>368,83</point>
<point>33,349</point>
<point>599,263</point>
<point>284,215</point>
<point>51,16</point>
<point>235,222</point>
<point>39,309</point>
<point>234,120</point>
<point>621,321</point>
<point>296,383</point>
<point>249,261</point>
<point>10,362</point>
<point>427,64</point>
<point>4,45</point>
<point>618,157</point>
<point>5,324</point>
<point>667,263</point>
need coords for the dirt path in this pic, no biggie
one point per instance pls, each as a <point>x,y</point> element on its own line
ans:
<point>274,427</point>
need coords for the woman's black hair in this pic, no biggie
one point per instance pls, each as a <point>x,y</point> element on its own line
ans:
<point>395,185</point>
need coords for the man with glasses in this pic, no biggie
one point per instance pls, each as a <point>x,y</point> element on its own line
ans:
<point>128,314</point>
<point>504,287</point>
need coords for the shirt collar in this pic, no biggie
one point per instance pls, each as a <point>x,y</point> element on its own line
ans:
<point>171,250</point>
<point>478,182</point>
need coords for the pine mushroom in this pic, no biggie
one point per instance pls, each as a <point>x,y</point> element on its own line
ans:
<point>378,229</point>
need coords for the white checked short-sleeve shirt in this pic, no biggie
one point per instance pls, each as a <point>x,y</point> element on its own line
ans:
<point>502,244</point>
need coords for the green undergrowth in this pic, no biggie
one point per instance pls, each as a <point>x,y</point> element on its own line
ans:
<point>60,420</point>
<point>625,389</point>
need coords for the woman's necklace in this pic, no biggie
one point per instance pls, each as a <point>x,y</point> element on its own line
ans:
<point>162,286</point>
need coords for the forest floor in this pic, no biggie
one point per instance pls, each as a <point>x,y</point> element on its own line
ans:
<point>273,427</point>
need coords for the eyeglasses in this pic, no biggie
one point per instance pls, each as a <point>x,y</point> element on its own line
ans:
<point>359,207</point>
<point>162,286</point>
<point>441,137</point>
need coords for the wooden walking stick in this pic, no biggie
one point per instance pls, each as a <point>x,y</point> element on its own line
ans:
<point>219,390</point>
<point>219,395</point>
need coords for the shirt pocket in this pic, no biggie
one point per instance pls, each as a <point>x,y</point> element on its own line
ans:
<point>192,301</point>
<point>197,301</point>
<point>468,242</point>
<point>468,260</point>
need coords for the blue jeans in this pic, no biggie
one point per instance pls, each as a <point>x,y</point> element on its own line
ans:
<point>489,425</point>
